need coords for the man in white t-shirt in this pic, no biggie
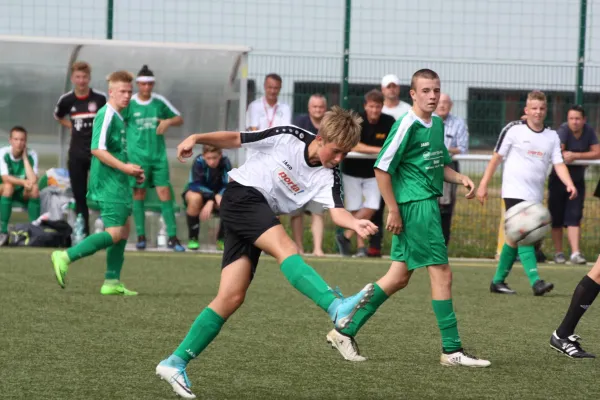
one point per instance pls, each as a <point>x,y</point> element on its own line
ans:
<point>390,87</point>
<point>528,150</point>
<point>267,111</point>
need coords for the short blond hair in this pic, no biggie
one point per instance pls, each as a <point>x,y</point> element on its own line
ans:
<point>341,127</point>
<point>119,76</point>
<point>536,95</point>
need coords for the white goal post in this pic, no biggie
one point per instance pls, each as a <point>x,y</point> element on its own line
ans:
<point>207,83</point>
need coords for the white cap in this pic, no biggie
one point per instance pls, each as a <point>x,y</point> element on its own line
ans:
<point>391,78</point>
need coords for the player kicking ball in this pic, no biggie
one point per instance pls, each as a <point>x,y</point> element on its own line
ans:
<point>528,150</point>
<point>110,188</point>
<point>563,339</point>
<point>288,168</point>
<point>410,170</point>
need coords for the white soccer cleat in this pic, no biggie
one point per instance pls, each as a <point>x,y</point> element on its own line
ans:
<point>346,345</point>
<point>460,358</point>
<point>177,378</point>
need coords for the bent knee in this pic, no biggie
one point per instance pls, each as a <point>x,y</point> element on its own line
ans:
<point>8,189</point>
<point>233,300</point>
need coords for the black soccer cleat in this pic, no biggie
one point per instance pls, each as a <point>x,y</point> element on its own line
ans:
<point>173,243</point>
<point>541,287</point>
<point>501,288</point>
<point>344,244</point>
<point>570,346</point>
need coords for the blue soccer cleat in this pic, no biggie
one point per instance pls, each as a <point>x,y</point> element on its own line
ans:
<point>174,244</point>
<point>342,310</point>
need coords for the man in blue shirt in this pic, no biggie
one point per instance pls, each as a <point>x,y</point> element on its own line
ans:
<point>578,142</point>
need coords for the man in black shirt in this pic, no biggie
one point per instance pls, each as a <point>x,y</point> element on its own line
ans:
<point>578,142</point>
<point>81,105</point>
<point>317,106</point>
<point>361,192</point>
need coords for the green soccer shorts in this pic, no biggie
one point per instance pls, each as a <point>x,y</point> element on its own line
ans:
<point>421,242</point>
<point>156,174</point>
<point>19,194</point>
<point>114,214</point>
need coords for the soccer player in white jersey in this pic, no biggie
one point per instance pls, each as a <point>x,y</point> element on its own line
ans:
<point>528,149</point>
<point>289,168</point>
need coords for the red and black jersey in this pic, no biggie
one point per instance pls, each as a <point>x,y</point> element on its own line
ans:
<point>81,111</point>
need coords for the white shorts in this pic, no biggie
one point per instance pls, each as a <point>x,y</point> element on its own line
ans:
<point>361,193</point>
<point>310,207</point>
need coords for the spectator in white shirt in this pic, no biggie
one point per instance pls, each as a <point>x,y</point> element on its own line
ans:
<point>267,111</point>
<point>390,87</point>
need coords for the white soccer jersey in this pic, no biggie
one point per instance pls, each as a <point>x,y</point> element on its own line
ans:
<point>527,156</point>
<point>278,167</point>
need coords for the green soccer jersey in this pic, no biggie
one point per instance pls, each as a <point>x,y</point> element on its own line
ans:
<point>12,166</point>
<point>108,184</point>
<point>142,117</point>
<point>414,155</point>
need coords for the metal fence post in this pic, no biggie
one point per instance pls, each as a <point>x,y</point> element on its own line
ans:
<point>110,13</point>
<point>581,53</point>
<point>346,62</point>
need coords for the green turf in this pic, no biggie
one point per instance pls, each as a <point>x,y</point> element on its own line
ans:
<point>75,344</point>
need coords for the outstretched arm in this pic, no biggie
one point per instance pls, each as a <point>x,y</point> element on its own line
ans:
<point>342,218</point>
<point>220,139</point>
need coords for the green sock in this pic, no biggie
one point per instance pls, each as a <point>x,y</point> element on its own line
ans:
<point>115,255</point>
<point>139,217</point>
<point>5,211</point>
<point>527,256</point>
<point>89,246</point>
<point>505,264</point>
<point>446,319</point>
<point>363,315</point>
<point>33,209</point>
<point>168,214</point>
<point>203,331</point>
<point>307,281</point>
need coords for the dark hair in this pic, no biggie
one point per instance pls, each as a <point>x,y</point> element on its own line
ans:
<point>274,76</point>
<point>374,95</point>
<point>578,108</point>
<point>423,73</point>
<point>17,128</point>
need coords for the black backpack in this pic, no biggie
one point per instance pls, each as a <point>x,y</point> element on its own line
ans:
<point>48,234</point>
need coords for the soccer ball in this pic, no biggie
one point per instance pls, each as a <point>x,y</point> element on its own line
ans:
<point>526,223</point>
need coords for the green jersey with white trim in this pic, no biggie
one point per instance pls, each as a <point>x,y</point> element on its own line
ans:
<point>13,166</point>
<point>107,183</point>
<point>414,155</point>
<point>142,117</point>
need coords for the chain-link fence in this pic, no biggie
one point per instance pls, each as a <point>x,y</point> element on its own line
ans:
<point>489,54</point>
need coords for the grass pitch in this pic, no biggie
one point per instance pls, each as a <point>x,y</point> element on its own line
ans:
<point>76,344</point>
